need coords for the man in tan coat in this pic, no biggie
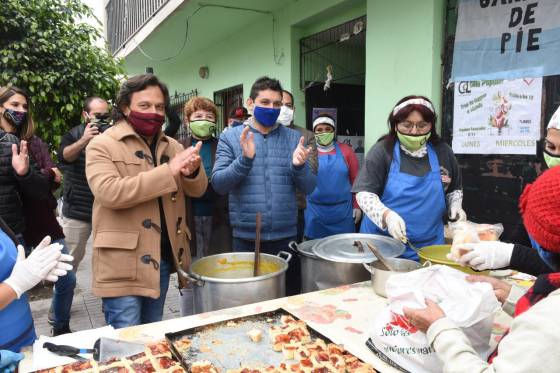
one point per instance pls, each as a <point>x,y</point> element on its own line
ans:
<point>139,178</point>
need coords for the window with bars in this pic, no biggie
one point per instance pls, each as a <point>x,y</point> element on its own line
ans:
<point>226,100</point>
<point>340,48</point>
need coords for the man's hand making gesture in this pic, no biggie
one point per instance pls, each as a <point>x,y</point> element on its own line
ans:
<point>301,153</point>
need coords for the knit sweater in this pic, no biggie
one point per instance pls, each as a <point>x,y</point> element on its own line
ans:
<point>531,345</point>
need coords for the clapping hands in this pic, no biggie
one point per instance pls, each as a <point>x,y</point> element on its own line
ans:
<point>186,162</point>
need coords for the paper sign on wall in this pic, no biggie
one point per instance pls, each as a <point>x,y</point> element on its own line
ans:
<point>505,39</point>
<point>497,116</point>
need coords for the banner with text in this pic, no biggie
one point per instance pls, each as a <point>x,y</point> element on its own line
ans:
<point>497,116</point>
<point>505,39</point>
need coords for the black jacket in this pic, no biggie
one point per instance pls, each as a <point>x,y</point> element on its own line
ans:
<point>78,199</point>
<point>527,260</point>
<point>14,188</point>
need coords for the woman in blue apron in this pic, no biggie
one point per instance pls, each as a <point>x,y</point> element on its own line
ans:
<point>17,275</point>
<point>330,208</point>
<point>410,179</point>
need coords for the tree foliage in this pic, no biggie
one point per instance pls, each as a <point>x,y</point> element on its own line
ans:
<point>47,51</point>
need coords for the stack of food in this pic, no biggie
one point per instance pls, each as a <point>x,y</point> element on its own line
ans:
<point>465,232</point>
<point>156,358</point>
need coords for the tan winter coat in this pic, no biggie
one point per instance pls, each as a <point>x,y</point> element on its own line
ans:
<point>126,220</point>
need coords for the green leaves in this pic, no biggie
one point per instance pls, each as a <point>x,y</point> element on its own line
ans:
<point>44,50</point>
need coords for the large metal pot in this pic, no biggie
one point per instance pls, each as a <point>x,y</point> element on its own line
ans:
<point>319,274</point>
<point>379,275</point>
<point>226,280</point>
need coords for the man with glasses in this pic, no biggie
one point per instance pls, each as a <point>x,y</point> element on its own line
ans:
<point>78,200</point>
<point>410,179</point>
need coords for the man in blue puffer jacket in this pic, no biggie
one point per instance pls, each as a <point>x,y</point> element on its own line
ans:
<point>260,165</point>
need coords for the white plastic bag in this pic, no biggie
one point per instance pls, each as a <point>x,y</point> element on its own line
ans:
<point>471,306</point>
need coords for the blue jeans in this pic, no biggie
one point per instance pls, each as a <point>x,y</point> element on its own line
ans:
<point>130,310</point>
<point>293,274</point>
<point>63,294</point>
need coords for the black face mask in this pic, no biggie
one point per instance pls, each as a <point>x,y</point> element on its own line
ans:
<point>101,121</point>
<point>17,118</point>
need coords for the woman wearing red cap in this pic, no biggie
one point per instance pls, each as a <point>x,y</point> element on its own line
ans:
<point>534,335</point>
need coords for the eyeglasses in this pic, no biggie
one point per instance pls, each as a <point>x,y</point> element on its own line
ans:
<point>408,126</point>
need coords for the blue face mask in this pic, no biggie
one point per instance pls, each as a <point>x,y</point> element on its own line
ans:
<point>266,116</point>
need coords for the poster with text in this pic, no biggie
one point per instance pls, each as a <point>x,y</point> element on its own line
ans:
<point>497,116</point>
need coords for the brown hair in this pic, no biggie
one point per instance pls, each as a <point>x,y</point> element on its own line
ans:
<point>199,103</point>
<point>394,119</point>
<point>27,129</point>
<point>136,84</point>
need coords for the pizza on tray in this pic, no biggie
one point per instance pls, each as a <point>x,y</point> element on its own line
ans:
<point>156,358</point>
<point>301,353</point>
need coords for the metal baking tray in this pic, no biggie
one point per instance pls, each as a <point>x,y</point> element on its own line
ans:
<point>229,347</point>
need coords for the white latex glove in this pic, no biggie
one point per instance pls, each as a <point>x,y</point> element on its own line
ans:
<point>456,213</point>
<point>61,268</point>
<point>485,255</point>
<point>28,272</point>
<point>395,225</point>
<point>356,215</point>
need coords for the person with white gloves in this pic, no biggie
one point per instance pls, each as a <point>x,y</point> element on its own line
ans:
<point>331,207</point>
<point>531,343</point>
<point>18,275</point>
<point>410,179</point>
<point>500,255</point>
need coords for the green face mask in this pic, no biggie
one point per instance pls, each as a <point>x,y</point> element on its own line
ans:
<point>325,138</point>
<point>413,143</point>
<point>551,160</point>
<point>202,128</point>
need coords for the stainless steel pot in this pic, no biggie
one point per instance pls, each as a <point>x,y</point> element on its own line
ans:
<point>226,280</point>
<point>319,274</point>
<point>380,276</point>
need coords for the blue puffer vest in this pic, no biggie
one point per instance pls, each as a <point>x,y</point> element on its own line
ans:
<point>265,184</point>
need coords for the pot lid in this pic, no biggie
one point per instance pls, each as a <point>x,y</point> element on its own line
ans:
<point>345,247</point>
<point>306,247</point>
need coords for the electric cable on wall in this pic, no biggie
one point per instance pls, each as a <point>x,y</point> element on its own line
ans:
<point>277,58</point>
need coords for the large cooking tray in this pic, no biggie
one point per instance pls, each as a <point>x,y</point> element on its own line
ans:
<point>229,347</point>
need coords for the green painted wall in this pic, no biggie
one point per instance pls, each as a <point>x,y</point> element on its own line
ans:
<point>404,46</point>
<point>403,49</point>
<point>240,56</point>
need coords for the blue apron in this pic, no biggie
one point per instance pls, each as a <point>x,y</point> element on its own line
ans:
<point>15,319</point>
<point>419,200</point>
<point>329,207</point>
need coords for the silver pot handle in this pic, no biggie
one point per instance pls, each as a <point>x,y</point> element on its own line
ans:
<point>284,255</point>
<point>367,267</point>
<point>195,279</point>
<point>294,246</point>
<point>427,263</point>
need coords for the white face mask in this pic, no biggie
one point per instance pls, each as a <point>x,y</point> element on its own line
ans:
<point>286,116</point>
